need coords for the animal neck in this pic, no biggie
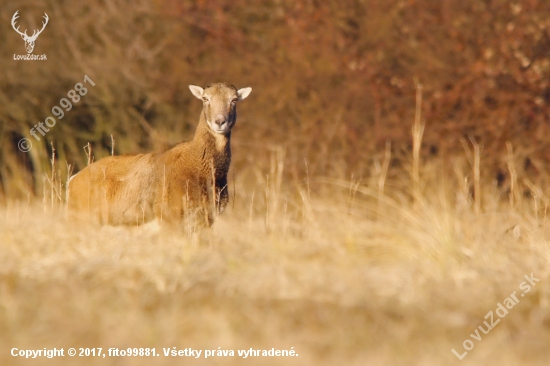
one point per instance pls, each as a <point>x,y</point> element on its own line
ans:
<point>214,148</point>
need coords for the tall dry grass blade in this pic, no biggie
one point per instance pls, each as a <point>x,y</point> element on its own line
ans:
<point>164,193</point>
<point>88,151</point>
<point>383,175</point>
<point>275,183</point>
<point>538,196</point>
<point>307,178</point>
<point>267,198</point>
<point>250,213</point>
<point>477,175</point>
<point>55,186</point>
<point>44,195</point>
<point>353,185</point>
<point>417,133</point>
<point>514,193</point>
<point>89,159</point>
<point>52,180</point>
<point>285,219</point>
<point>69,169</point>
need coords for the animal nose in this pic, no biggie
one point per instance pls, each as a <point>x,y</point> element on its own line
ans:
<point>219,119</point>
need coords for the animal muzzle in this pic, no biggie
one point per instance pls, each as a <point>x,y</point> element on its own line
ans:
<point>219,120</point>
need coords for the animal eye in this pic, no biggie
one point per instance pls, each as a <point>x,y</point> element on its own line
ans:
<point>234,101</point>
<point>205,99</point>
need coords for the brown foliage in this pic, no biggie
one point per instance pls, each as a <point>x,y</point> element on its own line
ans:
<point>333,81</point>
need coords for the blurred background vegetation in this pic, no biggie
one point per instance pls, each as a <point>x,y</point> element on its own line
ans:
<point>333,81</point>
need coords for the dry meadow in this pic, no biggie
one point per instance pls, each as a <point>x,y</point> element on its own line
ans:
<point>340,271</point>
<point>389,185</point>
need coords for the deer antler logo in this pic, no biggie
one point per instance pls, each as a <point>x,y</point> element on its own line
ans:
<point>29,41</point>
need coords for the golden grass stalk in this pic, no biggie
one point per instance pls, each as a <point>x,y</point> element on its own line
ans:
<point>514,191</point>
<point>417,133</point>
<point>383,175</point>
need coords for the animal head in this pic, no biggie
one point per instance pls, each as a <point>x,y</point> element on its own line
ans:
<point>220,105</point>
<point>29,41</point>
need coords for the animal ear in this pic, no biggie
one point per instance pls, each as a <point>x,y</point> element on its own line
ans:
<point>244,92</point>
<point>196,90</point>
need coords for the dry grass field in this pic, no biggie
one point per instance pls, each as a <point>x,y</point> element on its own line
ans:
<point>342,272</point>
<point>349,238</point>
